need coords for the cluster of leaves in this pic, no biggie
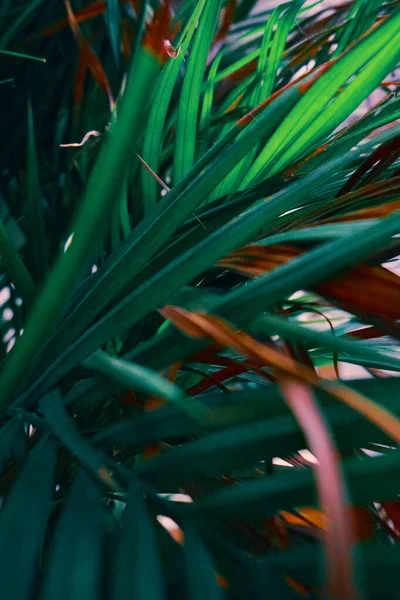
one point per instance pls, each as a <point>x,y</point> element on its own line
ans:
<point>182,291</point>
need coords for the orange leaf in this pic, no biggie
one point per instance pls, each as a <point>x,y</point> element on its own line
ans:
<point>297,586</point>
<point>387,83</point>
<point>366,290</point>
<point>82,14</point>
<point>220,376</point>
<point>85,14</point>
<point>227,19</point>
<point>200,326</point>
<point>159,34</point>
<point>89,56</point>
<point>347,289</point>
<point>152,450</point>
<point>375,212</point>
<point>393,512</point>
<point>363,523</point>
<point>371,191</point>
<point>378,160</point>
<point>222,582</point>
<point>131,399</point>
<point>307,517</point>
<point>365,333</point>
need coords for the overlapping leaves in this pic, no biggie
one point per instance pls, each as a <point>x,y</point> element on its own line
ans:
<point>183,291</point>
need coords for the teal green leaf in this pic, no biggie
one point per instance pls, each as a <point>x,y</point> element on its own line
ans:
<point>241,408</point>
<point>138,571</point>
<point>140,378</point>
<point>369,480</point>
<point>201,576</point>
<point>177,205</point>
<point>271,325</point>
<point>76,570</point>
<point>23,522</point>
<point>235,448</point>
<point>113,22</point>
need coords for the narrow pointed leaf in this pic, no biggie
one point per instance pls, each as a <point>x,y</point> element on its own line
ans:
<point>75,570</point>
<point>23,522</point>
<point>113,22</point>
<point>138,571</point>
<point>188,111</point>
<point>201,576</point>
<point>159,109</point>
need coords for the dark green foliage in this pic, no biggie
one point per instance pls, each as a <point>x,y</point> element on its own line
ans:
<point>226,227</point>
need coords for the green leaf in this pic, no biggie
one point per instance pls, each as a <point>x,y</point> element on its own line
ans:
<point>23,522</point>
<point>142,15</point>
<point>22,19</point>
<point>242,304</point>
<point>369,480</point>
<point>113,22</point>
<point>97,331</point>
<point>273,44</point>
<point>76,570</point>
<point>208,96</point>
<point>362,16</point>
<point>271,325</point>
<point>158,114</point>
<point>156,229</point>
<point>138,571</point>
<point>322,109</point>
<point>377,562</point>
<point>185,144</point>
<point>314,266</point>
<point>317,234</point>
<point>240,63</point>
<point>235,448</point>
<point>236,409</point>
<point>137,377</point>
<point>201,576</point>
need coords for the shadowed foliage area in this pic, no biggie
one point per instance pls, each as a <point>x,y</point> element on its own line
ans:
<point>200,300</point>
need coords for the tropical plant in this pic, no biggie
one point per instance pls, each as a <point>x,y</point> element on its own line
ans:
<point>200,203</point>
